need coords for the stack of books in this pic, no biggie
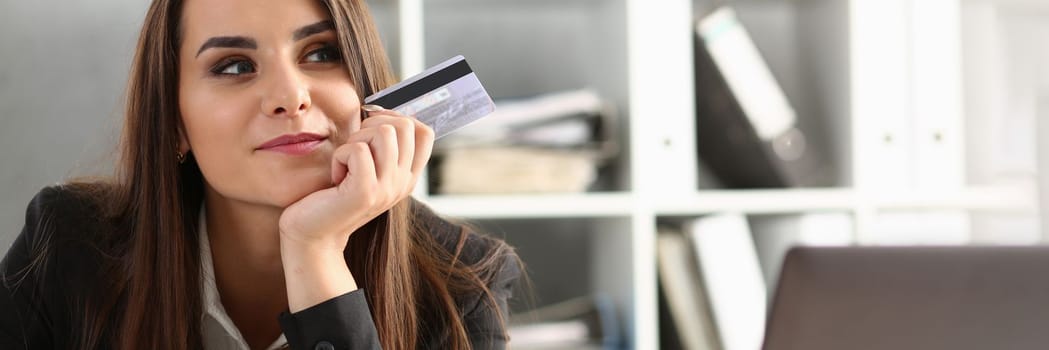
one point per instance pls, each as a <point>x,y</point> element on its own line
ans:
<point>551,143</point>
<point>586,322</point>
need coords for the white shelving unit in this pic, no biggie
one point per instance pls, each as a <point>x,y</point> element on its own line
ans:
<point>639,55</point>
<point>535,206</point>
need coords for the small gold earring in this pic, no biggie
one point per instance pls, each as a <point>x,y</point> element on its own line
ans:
<point>181,157</point>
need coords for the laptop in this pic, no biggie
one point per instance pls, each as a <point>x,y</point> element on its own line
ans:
<point>911,298</point>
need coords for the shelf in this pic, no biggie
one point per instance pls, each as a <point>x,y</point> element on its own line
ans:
<point>1022,198</point>
<point>533,206</point>
<point>774,201</point>
<point>517,3</point>
<point>1027,6</point>
<point>1005,198</point>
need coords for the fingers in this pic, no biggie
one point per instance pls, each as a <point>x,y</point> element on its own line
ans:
<point>339,159</point>
<point>382,142</point>
<point>424,138</point>
<point>354,160</point>
<point>405,134</point>
<point>398,146</point>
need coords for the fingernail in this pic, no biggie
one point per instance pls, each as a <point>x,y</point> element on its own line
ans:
<point>372,108</point>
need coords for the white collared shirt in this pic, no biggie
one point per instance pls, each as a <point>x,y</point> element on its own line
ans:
<point>218,329</point>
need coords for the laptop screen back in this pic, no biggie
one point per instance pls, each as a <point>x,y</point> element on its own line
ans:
<point>912,298</point>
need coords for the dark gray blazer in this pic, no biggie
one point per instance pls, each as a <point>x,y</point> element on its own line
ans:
<point>38,306</point>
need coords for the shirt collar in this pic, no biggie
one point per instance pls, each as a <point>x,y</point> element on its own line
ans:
<point>218,328</point>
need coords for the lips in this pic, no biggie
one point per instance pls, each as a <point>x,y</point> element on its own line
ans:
<point>293,144</point>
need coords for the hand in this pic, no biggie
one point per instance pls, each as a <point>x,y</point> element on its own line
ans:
<point>377,167</point>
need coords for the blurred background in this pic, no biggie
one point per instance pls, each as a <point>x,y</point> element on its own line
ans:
<point>643,151</point>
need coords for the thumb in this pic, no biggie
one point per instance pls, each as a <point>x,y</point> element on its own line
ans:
<point>368,109</point>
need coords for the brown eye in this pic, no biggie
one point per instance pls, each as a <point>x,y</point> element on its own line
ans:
<point>324,54</point>
<point>233,67</point>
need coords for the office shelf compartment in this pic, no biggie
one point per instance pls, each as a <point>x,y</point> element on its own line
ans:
<point>568,258</point>
<point>521,49</point>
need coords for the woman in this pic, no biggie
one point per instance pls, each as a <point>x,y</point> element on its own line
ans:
<point>255,205</point>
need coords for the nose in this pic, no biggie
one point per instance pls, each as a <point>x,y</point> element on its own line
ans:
<point>287,94</point>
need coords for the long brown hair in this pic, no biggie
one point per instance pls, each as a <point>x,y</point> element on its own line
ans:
<point>150,295</point>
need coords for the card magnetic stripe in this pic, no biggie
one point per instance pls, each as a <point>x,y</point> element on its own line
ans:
<point>422,86</point>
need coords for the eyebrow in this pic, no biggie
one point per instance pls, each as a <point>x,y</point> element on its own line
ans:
<point>239,42</point>
<point>312,29</point>
<point>242,42</point>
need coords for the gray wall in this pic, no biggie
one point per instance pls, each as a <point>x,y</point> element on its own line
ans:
<point>62,75</point>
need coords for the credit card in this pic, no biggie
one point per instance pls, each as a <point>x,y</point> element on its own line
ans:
<point>446,97</point>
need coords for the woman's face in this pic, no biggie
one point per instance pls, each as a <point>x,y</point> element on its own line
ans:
<point>251,72</point>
